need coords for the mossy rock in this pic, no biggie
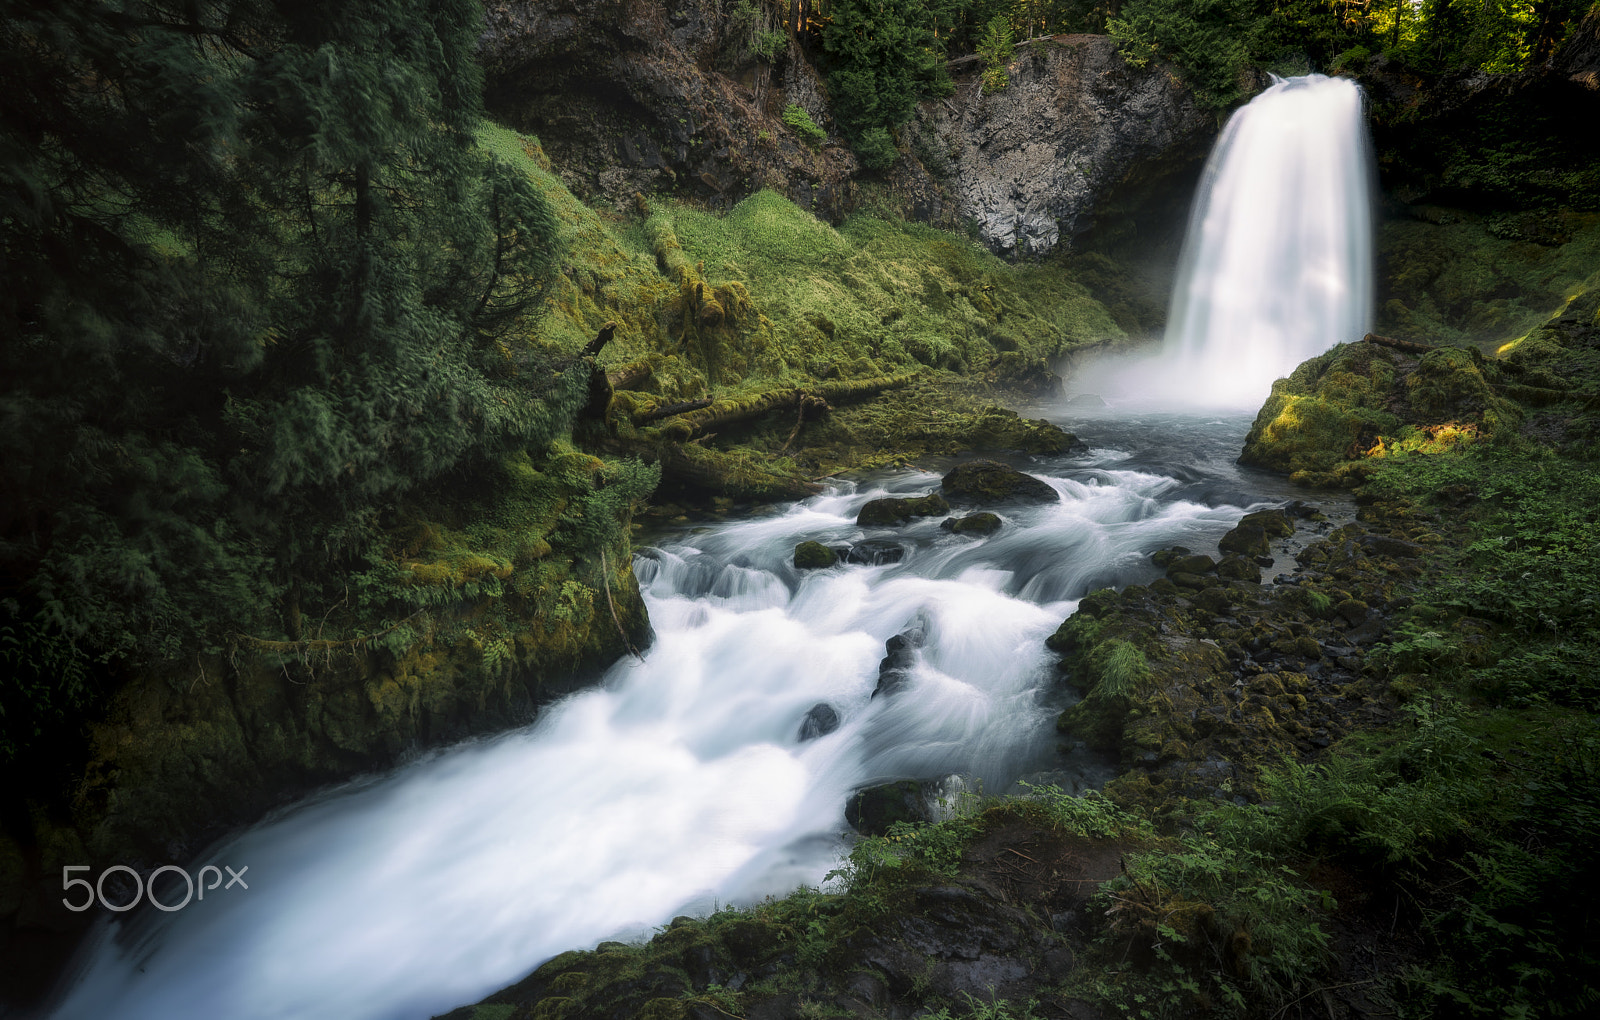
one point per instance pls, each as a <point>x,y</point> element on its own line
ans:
<point>1254,534</point>
<point>871,811</point>
<point>1238,568</point>
<point>892,511</point>
<point>1164,558</point>
<point>814,556</point>
<point>1196,563</point>
<point>1332,409</point>
<point>984,523</point>
<point>988,481</point>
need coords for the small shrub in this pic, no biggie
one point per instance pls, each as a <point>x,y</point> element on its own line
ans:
<point>876,149</point>
<point>800,123</point>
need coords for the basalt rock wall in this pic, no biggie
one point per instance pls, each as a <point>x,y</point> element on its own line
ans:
<point>631,97</point>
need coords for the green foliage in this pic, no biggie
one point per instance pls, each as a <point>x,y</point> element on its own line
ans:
<point>882,58</point>
<point>766,41</point>
<point>1090,815</point>
<point>262,283</point>
<point>1207,38</point>
<point>801,123</point>
<point>875,296</point>
<point>48,683</point>
<point>987,1009</point>
<point>997,47</point>
<point>876,149</point>
<point>877,866</point>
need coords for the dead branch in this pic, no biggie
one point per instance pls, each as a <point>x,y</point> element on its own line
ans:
<point>600,340</point>
<point>605,573</point>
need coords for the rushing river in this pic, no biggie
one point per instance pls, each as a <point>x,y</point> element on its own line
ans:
<point>681,782</point>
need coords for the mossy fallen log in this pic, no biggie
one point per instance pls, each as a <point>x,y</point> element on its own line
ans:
<point>1408,346</point>
<point>724,412</point>
<point>671,410</point>
<point>738,475</point>
<point>629,376</point>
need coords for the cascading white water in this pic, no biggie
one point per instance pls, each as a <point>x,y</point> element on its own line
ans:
<point>681,780</point>
<point>1277,262</point>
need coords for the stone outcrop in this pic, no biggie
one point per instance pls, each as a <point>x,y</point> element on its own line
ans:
<point>638,96</point>
<point>1028,164</point>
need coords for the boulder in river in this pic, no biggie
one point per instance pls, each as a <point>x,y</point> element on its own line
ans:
<point>1238,568</point>
<point>1254,534</point>
<point>819,722</point>
<point>872,810</point>
<point>874,552</point>
<point>983,523</point>
<point>895,511</point>
<point>894,670</point>
<point>813,555</point>
<point>988,481</point>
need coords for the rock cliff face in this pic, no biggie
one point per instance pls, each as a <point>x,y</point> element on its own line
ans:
<point>1028,164</point>
<point>635,96</point>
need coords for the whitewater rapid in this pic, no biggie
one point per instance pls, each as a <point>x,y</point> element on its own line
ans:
<point>680,782</point>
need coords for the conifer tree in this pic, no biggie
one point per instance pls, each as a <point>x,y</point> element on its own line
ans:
<point>259,284</point>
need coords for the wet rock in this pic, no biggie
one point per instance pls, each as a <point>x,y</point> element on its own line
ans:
<point>893,511</point>
<point>814,556</point>
<point>1194,582</point>
<point>1086,400</point>
<point>984,523</point>
<point>894,670</point>
<point>872,810</point>
<point>1217,601</point>
<point>819,722</point>
<point>1366,633</point>
<point>1165,557</point>
<point>1026,164</point>
<point>874,552</point>
<point>1254,534</point>
<point>1353,611</point>
<point>988,481</point>
<point>1384,545</point>
<point>1195,564</point>
<point>1237,568</point>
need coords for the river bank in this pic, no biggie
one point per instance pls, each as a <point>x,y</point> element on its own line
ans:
<point>1365,785</point>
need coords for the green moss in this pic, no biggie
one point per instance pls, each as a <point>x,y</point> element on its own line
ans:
<point>814,555</point>
<point>1460,278</point>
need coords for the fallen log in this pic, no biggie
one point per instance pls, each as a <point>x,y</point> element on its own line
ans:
<point>629,376</point>
<point>723,412</point>
<point>712,471</point>
<point>1408,346</point>
<point>669,410</point>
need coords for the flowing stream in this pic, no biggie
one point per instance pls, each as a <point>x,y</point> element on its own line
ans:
<point>681,782</point>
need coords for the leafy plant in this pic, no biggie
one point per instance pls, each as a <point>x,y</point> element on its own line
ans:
<point>801,123</point>
<point>996,49</point>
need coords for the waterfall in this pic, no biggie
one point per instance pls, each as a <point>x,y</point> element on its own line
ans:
<point>1277,262</point>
